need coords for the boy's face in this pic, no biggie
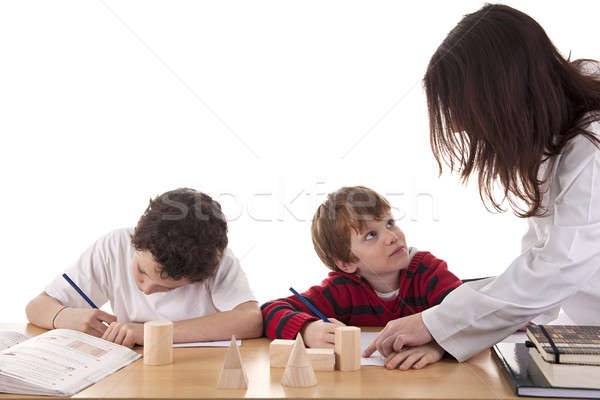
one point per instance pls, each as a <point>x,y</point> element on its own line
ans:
<point>146,272</point>
<point>381,249</point>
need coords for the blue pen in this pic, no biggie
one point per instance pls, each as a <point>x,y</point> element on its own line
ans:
<point>313,308</point>
<point>90,302</point>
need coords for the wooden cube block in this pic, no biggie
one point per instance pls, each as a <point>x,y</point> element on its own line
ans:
<point>347,348</point>
<point>279,352</point>
<point>321,359</point>
<point>280,349</point>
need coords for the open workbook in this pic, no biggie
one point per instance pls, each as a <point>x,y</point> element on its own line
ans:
<point>60,362</point>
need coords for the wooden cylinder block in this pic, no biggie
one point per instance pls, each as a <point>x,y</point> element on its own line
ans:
<point>347,348</point>
<point>158,342</point>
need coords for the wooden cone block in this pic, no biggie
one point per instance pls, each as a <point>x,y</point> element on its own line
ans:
<point>279,352</point>
<point>299,372</point>
<point>158,342</point>
<point>233,375</point>
<point>347,348</point>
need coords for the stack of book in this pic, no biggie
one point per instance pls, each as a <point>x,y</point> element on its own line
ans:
<point>558,361</point>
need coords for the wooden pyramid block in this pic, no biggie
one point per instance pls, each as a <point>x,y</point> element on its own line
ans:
<point>299,371</point>
<point>233,375</point>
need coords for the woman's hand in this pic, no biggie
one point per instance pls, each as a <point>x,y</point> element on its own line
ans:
<point>407,331</point>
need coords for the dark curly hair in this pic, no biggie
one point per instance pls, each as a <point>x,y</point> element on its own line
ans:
<point>186,233</point>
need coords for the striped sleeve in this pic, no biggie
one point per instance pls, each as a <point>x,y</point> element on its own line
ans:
<point>437,281</point>
<point>284,318</point>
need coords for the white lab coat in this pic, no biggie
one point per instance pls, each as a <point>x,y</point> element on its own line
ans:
<point>559,265</point>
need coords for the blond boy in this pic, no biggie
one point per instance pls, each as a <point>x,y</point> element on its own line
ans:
<point>375,277</point>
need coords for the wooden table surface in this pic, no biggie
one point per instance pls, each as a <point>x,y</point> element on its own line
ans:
<point>195,371</point>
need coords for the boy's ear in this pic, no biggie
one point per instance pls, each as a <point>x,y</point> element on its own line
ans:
<point>347,267</point>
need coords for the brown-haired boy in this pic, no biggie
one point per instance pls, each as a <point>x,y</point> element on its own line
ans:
<point>175,265</point>
<point>376,278</point>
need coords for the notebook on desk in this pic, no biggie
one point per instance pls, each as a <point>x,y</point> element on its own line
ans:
<point>60,362</point>
<point>527,379</point>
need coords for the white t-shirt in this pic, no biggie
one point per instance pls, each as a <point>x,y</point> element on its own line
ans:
<point>103,272</point>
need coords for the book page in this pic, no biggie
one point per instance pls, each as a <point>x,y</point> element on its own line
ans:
<point>64,360</point>
<point>9,338</point>
<point>366,338</point>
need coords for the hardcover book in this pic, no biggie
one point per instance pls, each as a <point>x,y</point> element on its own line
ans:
<point>527,379</point>
<point>575,344</point>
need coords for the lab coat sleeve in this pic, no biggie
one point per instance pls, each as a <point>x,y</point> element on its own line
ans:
<point>479,314</point>
<point>529,238</point>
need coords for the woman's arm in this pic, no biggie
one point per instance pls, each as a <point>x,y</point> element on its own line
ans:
<point>480,314</point>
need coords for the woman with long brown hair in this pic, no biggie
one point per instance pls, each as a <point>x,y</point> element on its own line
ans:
<point>505,106</point>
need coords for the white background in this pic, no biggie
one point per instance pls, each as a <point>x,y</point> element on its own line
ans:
<point>265,105</point>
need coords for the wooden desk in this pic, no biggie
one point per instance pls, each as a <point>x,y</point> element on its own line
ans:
<point>195,371</point>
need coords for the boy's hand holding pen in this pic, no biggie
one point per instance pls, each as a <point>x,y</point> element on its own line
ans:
<point>91,321</point>
<point>318,334</point>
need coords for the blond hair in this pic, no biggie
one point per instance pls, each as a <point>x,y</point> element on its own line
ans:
<point>345,210</point>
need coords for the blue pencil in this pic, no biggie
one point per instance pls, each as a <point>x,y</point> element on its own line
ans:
<point>313,308</point>
<point>90,302</point>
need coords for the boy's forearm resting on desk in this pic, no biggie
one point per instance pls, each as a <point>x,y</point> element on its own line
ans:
<point>42,309</point>
<point>244,321</point>
<point>286,317</point>
<point>47,312</point>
